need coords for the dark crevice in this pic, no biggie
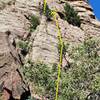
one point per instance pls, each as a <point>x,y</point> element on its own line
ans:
<point>49,19</point>
<point>61,2</point>
<point>3,65</point>
<point>14,43</point>
<point>16,59</point>
<point>27,17</point>
<point>20,59</point>
<point>24,96</point>
<point>61,15</point>
<point>24,52</point>
<point>92,16</point>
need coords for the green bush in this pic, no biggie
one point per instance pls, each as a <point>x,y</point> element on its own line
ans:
<point>91,48</point>
<point>42,77</point>
<point>81,78</point>
<point>77,81</point>
<point>23,45</point>
<point>34,22</point>
<point>71,15</point>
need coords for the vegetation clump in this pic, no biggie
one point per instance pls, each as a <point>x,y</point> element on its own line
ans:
<point>34,22</point>
<point>42,77</point>
<point>24,46</point>
<point>77,82</point>
<point>82,77</point>
<point>71,15</point>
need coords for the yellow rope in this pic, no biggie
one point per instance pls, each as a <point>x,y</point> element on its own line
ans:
<point>61,48</point>
<point>61,53</point>
<point>44,6</point>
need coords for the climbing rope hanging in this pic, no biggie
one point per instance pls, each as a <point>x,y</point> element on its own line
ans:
<point>54,14</point>
<point>44,6</point>
<point>61,53</point>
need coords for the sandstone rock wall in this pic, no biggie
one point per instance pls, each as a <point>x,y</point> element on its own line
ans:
<point>13,19</point>
<point>90,26</point>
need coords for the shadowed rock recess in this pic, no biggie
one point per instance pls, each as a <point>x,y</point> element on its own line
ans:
<point>25,42</point>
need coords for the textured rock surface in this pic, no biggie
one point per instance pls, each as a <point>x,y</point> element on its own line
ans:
<point>45,43</point>
<point>12,25</point>
<point>90,26</point>
<point>13,18</point>
<point>10,77</point>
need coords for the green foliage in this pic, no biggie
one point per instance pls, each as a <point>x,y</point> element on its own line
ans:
<point>34,22</point>
<point>24,46</point>
<point>96,82</point>
<point>76,82</point>
<point>71,15</point>
<point>81,78</point>
<point>42,77</point>
<point>39,74</point>
<point>91,48</point>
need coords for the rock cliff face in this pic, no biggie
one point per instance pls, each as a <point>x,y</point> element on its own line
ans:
<point>15,25</point>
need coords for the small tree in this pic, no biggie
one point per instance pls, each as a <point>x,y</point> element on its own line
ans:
<point>71,15</point>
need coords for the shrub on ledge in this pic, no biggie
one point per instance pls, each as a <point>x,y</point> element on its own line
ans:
<point>71,15</point>
<point>34,23</point>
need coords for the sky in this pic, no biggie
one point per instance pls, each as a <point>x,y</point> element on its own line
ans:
<point>96,7</point>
